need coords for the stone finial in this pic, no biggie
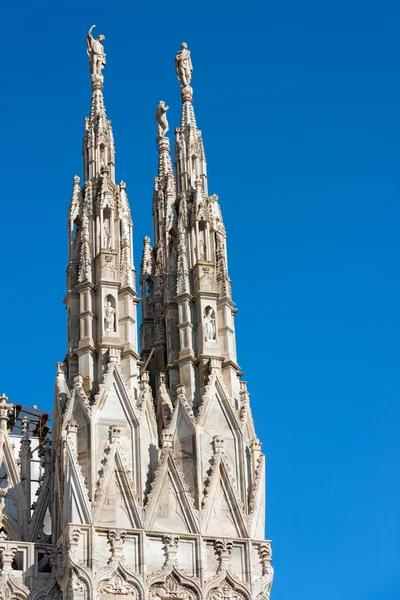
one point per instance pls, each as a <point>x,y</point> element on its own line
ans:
<point>73,537</point>
<point>25,426</point>
<point>171,543</point>
<point>265,554</point>
<point>114,355</point>
<point>7,555</point>
<point>181,390</point>
<point>144,378</point>
<point>114,432</point>
<point>5,411</point>
<point>218,443</point>
<point>243,387</point>
<point>223,550</point>
<point>166,440</point>
<point>116,539</point>
<point>255,446</point>
<point>78,380</point>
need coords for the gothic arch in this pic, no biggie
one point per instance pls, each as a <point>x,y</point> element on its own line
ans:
<point>50,591</point>
<point>225,587</point>
<point>173,584</point>
<point>120,581</point>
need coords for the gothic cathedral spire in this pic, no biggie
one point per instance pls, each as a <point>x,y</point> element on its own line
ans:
<point>101,298</point>
<point>154,483</point>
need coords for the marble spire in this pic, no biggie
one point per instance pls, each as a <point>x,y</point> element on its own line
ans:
<point>190,161</point>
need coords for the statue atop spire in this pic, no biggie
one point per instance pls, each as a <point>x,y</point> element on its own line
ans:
<point>161,119</point>
<point>183,65</point>
<point>95,52</point>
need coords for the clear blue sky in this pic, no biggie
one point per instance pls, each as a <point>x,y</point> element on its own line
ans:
<point>299,107</point>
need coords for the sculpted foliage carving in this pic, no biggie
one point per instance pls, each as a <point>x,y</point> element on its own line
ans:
<point>171,589</point>
<point>224,592</point>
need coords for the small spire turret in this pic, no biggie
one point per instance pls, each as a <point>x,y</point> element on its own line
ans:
<point>190,161</point>
<point>101,298</point>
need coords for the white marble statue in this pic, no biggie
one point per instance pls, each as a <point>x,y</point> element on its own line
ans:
<point>107,236</point>
<point>109,315</point>
<point>183,65</point>
<point>124,227</point>
<point>161,118</point>
<point>209,325</point>
<point>95,52</point>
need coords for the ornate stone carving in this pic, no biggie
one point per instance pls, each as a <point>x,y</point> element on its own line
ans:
<point>210,331</point>
<point>116,539</point>
<point>183,65</point>
<point>161,119</point>
<point>95,52</point>
<point>74,535</point>
<point>171,544</point>
<point>109,317</point>
<point>265,554</point>
<point>224,592</point>
<point>7,555</point>
<point>117,585</point>
<point>171,589</point>
<point>223,549</point>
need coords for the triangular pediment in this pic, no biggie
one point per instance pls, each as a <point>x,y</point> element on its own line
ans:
<point>39,514</point>
<point>217,392</point>
<point>223,513</point>
<point>13,499</point>
<point>77,508</point>
<point>78,407</point>
<point>169,505</point>
<point>116,502</point>
<point>115,402</point>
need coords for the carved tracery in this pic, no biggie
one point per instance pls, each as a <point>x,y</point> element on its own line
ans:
<point>171,589</point>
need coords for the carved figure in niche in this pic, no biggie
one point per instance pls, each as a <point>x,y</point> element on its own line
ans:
<point>95,52</point>
<point>183,65</point>
<point>109,316</point>
<point>107,236</point>
<point>210,331</point>
<point>161,119</point>
<point>202,250</point>
<point>124,227</point>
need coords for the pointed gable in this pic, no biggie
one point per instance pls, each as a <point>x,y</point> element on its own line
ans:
<point>169,505</point>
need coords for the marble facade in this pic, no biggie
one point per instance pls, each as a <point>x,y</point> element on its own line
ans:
<point>152,483</point>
